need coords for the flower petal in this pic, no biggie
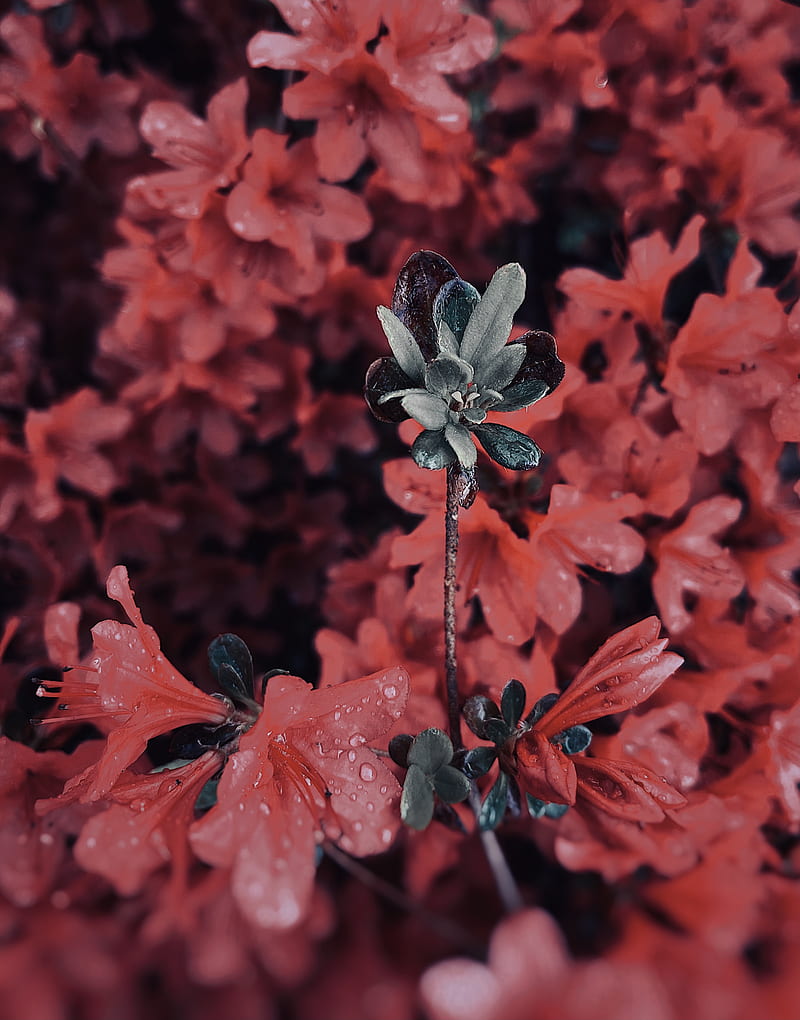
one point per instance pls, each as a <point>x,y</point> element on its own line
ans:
<point>385,376</point>
<point>418,283</point>
<point>461,441</point>
<point>403,345</point>
<point>489,326</point>
<point>428,409</point>
<point>541,364</point>
<point>511,449</point>
<point>503,367</point>
<point>454,305</point>
<point>446,374</point>
<point>625,671</point>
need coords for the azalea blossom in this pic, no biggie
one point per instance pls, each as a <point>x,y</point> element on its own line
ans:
<point>452,364</point>
<point>126,683</point>
<point>304,772</point>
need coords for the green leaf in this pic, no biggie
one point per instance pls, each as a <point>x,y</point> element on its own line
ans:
<point>512,702</point>
<point>490,324</point>
<point>511,449</point>
<point>478,761</point>
<point>432,451</point>
<point>494,805</point>
<point>426,408</point>
<point>416,800</point>
<point>404,346</point>
<point>451,785</point>
<point>461,441</point>
<point>232,666</point>
<point>431,749</point>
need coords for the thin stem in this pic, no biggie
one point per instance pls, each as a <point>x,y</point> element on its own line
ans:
<point>450,588</point>
<point>443,925</point>
<point>506,885</point>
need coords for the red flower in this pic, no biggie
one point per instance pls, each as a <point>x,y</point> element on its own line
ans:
<point>282,199</point>
<point>327,34</point>
<point>303,772</point>
<point>624,672</point>
<point>733,355</point>
<point>425,41</point>
<point>205,154</point>
<point>359,114</point>
<point>128,683</point>
<point>690,560</point>
<point>146,825</point>
<point>63,443</point>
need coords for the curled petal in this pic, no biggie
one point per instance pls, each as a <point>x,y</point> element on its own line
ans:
<point>418,283</point>
<point>541,365</point>
<point>624,790</point>
<point>385,376</point>
<point>625,671</point>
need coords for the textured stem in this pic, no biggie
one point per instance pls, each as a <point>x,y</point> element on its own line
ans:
<point>450,588</point>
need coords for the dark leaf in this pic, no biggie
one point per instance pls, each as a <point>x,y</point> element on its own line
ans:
<point>543,705</point>
<point>418,283</point>
<point>511,449</point>
<point>232,666</point>
<point>574,740</point>
<point>399,747</point>
<point>451,785</point>
<point>512,702</point>
<point>416,800</point>
<point>494,805</point>
<point>478,761</point>
<point>484,719</point>
<point>430,750</point>
<point>385,376</point>
<point>455,303</point>
<point>432,451</point>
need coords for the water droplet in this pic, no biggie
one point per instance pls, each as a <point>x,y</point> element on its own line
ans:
<point>369,806</point>
<point>367,772</point>
<point>337,715</point>
<point>351,755</point>
<point>384,788</point>
<point>357,740</point>
<point>91,843</point>
<point>386,836</point>
<point>46,838</point>
<point>390,692</point>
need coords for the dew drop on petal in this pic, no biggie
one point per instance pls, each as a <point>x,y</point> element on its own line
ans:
<point>367,772</point>
<point>351,755</point>
<point>390,692</point>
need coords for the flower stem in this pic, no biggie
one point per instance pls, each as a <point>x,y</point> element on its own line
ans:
<point>507,889</point>
<point>450,588</point>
